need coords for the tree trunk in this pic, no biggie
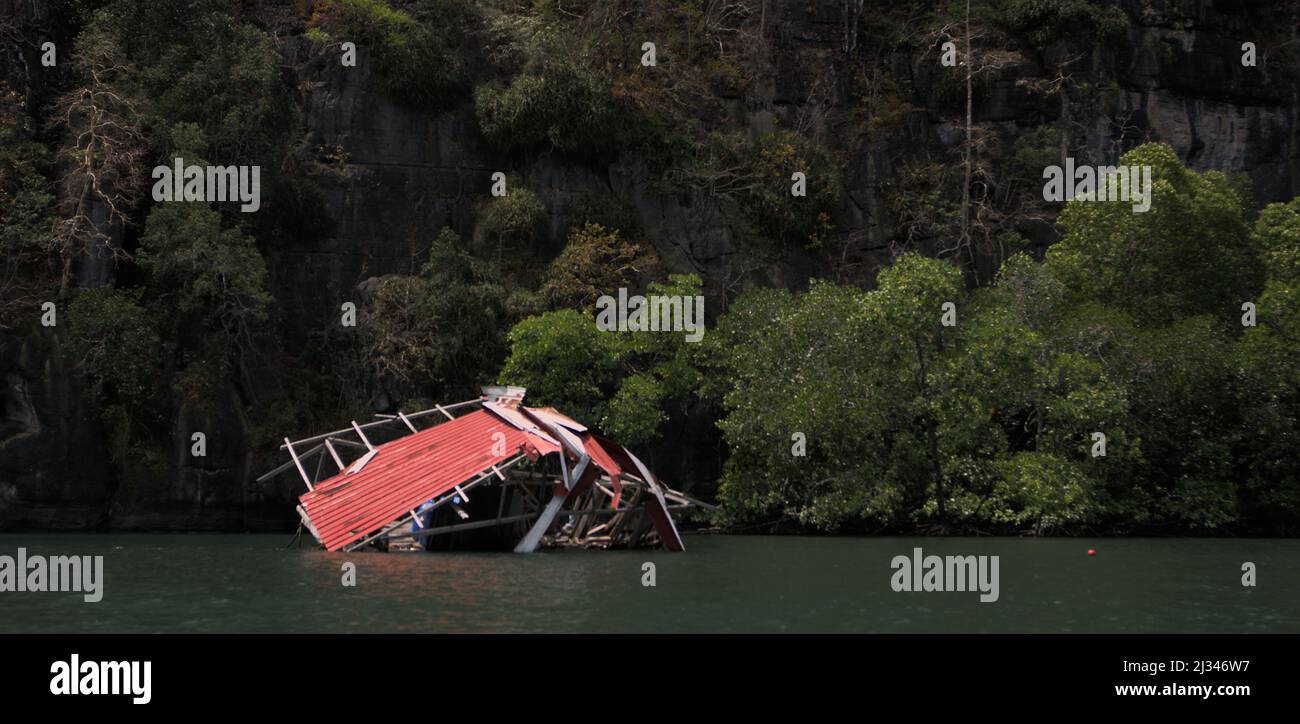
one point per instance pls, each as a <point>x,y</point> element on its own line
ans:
<point>936,467</point>
<point>966,151</point>
<point>931,433</point>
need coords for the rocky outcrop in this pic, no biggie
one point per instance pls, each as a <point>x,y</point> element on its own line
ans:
<point>53,462</point>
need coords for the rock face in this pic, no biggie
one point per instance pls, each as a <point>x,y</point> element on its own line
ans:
<point>53,471</point>
<point>401,175</point>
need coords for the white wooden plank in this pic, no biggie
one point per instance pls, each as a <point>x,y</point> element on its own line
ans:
<point>298,463</point>
<point>407,421</point>
<point>334,454</point>
<point>362,435</point>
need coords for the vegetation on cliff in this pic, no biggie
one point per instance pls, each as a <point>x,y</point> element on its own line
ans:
<point>837,396</point>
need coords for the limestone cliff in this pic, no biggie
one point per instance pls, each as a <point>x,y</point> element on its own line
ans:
<point>396,175</point>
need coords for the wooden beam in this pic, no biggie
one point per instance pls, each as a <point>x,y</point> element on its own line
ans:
<point>413,415</point>
<point>334,454</point>
<point>534,536</point>
<point>619,522</point>
<point>440,408</point>
<point>405,519</point>
<point>686,499</point>
<point>602,511</point>
<point>302,513</point>
<point>349,443</point>
<point>361,462</point>
<point>407,420</point>
<point>298,464</point>
<point>362,435</point>
<point>444,529</point>
<point>281,468</point>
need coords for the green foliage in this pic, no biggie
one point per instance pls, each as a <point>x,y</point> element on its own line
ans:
<point>1189,254</point>
<point>514,220</point>
<point>221,82</point>
<point>1046,21</point>
<point>26,215</point>
<point>660,372</point>
<point>756,176</point>
<point>1041,489</point>
<point>564,361</point>
<point>921,196</point>
<point>991,422</point>
<point>782,364</point>
<point>114,343</point>
<point>597,261</point>
<point>193,64</point>
<point>434,335</point>
<point>627,384</point>
<point>1268,369</point>
<point>636,410</point>
<point>562,105</point>
<point>414,56</point>
<point>864,377</point>
<point>228,82</point>
<point>1128,329</point>
<point>1276,236</point>
<point>211,280</point>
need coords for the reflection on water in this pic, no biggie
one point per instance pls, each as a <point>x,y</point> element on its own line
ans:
<point>251,583</point>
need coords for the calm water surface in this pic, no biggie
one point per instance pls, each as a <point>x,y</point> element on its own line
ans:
<point>251,583</point>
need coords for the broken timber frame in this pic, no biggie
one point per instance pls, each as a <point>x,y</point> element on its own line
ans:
<point>391,493</point>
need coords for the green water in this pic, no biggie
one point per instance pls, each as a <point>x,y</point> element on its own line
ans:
<point>250,583</point>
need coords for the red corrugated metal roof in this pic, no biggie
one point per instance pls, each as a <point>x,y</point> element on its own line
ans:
<point>655,503</point>
<point>606,462</point>
<point>602,457</point>
<point>409,471</point>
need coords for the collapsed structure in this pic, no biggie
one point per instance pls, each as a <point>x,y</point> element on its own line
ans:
<point>458,478</point>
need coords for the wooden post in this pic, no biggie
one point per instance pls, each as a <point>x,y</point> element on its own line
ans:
<point>334,454</point>
<point>534,536</point>
<point>281,468</point>
<point>407,421</point>
<point>362,435</point>
<point>298,464</point>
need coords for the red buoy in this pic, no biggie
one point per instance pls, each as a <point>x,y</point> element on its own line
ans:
<point>1092,551</point>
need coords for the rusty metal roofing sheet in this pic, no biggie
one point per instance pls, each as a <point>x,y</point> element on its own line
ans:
<point>409,471</point>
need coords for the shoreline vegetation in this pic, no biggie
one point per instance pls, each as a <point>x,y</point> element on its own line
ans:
<point>983,360</point>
